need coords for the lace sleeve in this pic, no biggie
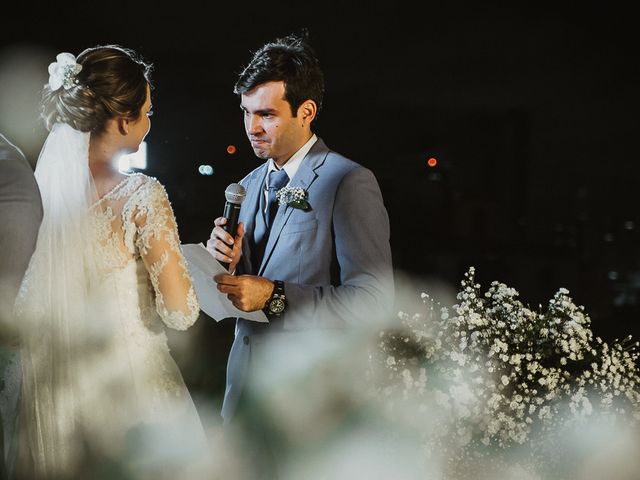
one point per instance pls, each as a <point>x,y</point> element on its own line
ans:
<point>159,245</point>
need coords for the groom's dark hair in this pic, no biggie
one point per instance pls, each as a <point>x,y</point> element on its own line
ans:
<point>288,59</point>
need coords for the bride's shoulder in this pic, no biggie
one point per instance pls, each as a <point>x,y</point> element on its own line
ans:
<point>145,191</point>
<point>145,184</point>
<point>148,199</point>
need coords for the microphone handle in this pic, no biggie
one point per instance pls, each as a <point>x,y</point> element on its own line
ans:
<point>231,213</point>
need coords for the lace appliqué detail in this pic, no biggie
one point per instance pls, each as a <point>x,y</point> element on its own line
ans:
<point>111,256</point>
<point>177,319</point>
<point>112,228</point>
<point>135,221</point>
<point>156,226</point>
<point>140,257</point>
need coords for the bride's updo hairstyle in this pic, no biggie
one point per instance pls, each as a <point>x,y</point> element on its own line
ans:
<point>112,83</point>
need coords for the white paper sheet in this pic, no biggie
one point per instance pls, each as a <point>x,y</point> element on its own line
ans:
<point>203,267</point>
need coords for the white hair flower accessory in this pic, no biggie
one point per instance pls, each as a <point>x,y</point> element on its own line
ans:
<point>62,73</point>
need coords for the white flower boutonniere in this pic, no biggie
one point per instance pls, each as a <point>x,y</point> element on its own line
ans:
<point>62,73</point>
<point>295,197</point>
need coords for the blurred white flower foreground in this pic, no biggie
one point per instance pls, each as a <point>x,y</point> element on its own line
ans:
<point>491,388</point>
<point>486,388</point>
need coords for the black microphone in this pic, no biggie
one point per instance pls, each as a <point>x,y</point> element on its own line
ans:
<point>234,194</point>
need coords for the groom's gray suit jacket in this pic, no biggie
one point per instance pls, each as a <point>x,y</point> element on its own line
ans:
<point>20,217</point>
<point>334,259</point>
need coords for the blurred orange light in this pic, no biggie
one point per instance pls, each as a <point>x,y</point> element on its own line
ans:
<point>231,149</point>
<point>432,162</point>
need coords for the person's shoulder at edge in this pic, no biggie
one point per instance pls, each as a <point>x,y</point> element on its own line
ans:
<point>5,144</point>
<point>10,153</point>
<point>16,172</point>
<point>17,166</point>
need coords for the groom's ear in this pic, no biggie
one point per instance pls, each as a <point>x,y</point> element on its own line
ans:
<point>307,111</point>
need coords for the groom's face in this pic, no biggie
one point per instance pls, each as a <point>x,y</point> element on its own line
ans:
<point>272,130</point>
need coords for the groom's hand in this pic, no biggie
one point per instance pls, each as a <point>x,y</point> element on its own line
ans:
<point>247,292</point>
<point>223,246</point>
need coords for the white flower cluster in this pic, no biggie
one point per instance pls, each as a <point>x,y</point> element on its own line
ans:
<point>291,195</point>
<point>500,373</point>
<point>62,72</point>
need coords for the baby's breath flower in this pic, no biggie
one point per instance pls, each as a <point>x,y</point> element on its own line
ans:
<point>295,197</point>
<point>500,370</point>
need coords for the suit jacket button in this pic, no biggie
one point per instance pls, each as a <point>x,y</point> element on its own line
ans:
<point>245,340</point>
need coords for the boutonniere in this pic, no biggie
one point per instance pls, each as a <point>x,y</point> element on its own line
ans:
<point>295,197</point>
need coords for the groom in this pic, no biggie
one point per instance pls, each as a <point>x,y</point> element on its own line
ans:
<point>318,264</point>
<point>20,217</point>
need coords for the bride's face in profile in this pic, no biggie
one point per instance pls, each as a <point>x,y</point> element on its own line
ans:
<point>139,128</point>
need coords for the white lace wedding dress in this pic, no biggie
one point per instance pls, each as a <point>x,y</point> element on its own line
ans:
<point>121,395</point>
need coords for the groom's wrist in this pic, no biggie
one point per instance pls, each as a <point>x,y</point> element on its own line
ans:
<point>276,303</point>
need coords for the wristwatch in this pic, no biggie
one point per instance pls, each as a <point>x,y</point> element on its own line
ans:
<point>277,303</point>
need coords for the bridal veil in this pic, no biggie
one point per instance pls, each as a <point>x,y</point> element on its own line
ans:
<point>63,314</point>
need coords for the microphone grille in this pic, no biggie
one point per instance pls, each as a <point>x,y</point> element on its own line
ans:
<point>235,193</point>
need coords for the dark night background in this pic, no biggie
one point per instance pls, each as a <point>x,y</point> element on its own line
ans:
<point>531,111</point>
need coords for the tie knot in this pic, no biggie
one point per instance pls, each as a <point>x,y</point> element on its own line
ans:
<point>278,179</point>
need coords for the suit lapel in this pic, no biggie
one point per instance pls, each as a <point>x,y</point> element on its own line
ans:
<point>248,214</point>
<point>303,178</point>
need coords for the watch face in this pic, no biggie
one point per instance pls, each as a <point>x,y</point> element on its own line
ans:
<point>276,305</point>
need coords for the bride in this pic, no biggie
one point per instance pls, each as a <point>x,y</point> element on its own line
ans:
<point>99,383</point>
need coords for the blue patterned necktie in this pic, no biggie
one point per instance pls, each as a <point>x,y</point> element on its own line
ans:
<point>277,180</point>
